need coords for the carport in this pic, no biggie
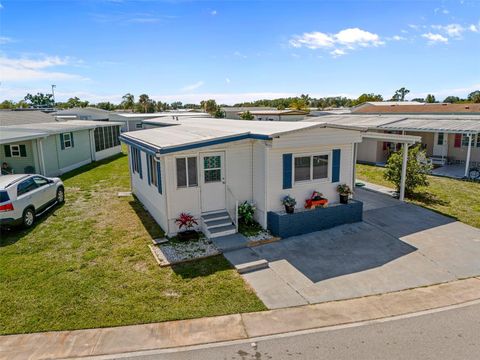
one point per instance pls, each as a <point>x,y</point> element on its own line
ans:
<point>405,140</point>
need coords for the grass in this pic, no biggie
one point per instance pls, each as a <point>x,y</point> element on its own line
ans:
<point>456,198</point>
<point>87,264</point>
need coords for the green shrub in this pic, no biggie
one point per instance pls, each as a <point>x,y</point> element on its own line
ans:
<point>246,211</point>
<point>417,169</point>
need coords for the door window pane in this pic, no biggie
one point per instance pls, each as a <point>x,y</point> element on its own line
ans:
<point>192,171</point>
<point>440,139</point>
<point>213,175</point>
<point>212,162</point>
<point>320,167</point>
<point>181,172</point>
<point>302,168</point>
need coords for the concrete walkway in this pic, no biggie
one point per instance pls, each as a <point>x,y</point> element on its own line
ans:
<point>93,342</point>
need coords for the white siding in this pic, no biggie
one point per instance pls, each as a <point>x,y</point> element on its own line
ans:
<point>103,154</point>
<point>259,150</point>
<point>149,196</point>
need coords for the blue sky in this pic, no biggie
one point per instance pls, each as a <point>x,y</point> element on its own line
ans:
<point>238,50</point>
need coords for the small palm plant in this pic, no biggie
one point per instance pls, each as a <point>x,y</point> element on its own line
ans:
<point>186,221</point>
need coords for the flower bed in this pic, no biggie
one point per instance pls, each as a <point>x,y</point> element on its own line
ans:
<point>175,251</point>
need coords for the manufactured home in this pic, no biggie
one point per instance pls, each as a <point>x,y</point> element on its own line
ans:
<point>56,147</point>
<point>205,166</point>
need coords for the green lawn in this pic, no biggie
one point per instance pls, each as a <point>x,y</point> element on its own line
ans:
<point>455,198</point>
<point>87,265</point>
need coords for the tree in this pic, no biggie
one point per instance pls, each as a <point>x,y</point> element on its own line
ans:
<point>452,99</point>
<point>418,99</point>
<point>306,99</point>
<point>145,102</point>
<point>400,94</point>
<point>247,116</point>
<point>106,105</point>
<point>417,169</point>
<point>430,99</point>
<point>128,101</point>
<point>474,96</point>
<point>7,104</point>
<point>75,102</point>
<point>44,100</point>
<point>368,97</point>
<point>219,113</point>
<point>176,105</point>
<point>209,106</point>
<point>298,104</point>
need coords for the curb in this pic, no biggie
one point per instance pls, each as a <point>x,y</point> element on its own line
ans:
<point>181,333</point>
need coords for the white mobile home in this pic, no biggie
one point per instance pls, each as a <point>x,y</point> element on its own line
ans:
<point>205,166</point>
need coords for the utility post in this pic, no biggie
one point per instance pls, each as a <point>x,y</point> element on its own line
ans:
<point>53,94</point>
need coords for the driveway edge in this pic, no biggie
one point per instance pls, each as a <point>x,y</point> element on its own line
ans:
<point>109,341</point>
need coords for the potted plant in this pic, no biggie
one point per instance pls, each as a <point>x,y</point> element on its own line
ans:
<point>344,191</point>
<point>186,221</point>
<point>289,203</point>
<point>316,200</point>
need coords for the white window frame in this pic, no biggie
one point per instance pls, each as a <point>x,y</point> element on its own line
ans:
<point>65,140</point>
<point>312,180</point>
<point>19,154</point>
<point>153,170</point>
<point>186,157</point>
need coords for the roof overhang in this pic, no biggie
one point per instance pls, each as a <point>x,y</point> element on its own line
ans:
<point>427,130</point>
<point>396,138</point>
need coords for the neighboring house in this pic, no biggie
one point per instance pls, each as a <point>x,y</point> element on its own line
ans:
<point>412,107</point>
<point>278,115</point>
<point>205,166</point>
<point>95,114</point>
<point>172,118</point>
<point>233,112</point>
<point>447,139</point>
<point>53,148</point>
<point>24,116</point>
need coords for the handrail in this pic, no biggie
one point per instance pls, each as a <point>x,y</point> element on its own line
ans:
<point>235,217</point>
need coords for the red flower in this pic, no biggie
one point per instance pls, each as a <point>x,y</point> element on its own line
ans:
<point>186,220</point>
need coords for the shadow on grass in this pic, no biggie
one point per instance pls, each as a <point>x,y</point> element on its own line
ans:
<point>9,235</point>
<point>204,267</point>
<point>90,166</point>
<point>149,223</point>
<point>428,199</point>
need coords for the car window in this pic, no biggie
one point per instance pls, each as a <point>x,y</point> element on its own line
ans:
<point>40,181</point>
<point>26,186</point>
<point>4,197</point>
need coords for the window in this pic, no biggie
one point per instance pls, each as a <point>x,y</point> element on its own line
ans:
<point>212,166</point>
<point>465,140</point>
<point>138,126</point>
<point>440,139</point>
<point>40,181</point>
<point>106,137</point>
<point>311,167</point>
<point>186,172</point>
<point>152,168</point>
<point>15,151</point>
<point>26,186</point>
<point>478,140</point>
<point>67,141</point>
<point>136,160</point>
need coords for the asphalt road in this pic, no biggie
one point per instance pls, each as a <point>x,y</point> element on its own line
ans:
<point>450,334</point>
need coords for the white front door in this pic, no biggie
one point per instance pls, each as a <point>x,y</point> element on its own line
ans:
<point>440,144</point>
<point>213,181</point>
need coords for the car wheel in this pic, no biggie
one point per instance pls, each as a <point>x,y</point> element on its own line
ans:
<point>28,217</point>
<point>60,195</point>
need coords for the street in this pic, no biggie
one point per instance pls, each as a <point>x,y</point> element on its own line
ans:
<point>449,334</point>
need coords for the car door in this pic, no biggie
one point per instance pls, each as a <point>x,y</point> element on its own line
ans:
<point>28,194</point>
<point>46,187</point>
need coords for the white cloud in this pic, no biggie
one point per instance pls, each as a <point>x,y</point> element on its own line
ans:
<point>5,40</point>
<point>213,12</point>
<point>435,38</point>
<point>398,38</point>
<point>337,52</point>
<point>192,87</point>
<point>25,69</point>
<point>474,28</point>
<point>350,39</point>
<point>452,30</point>
<point>239,54</point>
<point>227,80</point>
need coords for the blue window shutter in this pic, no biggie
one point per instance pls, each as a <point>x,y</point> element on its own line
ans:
<point>71,139</point>
<point>159,178</point>
<point>140,164</point>
<point>287,171</point>
<point>132,159</point>
<point>149,171</point>
<point>336,165</point>
<point>62,145</point>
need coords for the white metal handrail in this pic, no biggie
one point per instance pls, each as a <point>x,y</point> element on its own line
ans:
<point>233,214</point>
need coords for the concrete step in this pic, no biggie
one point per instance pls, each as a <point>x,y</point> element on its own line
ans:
<point>245,260</point>
<point>215,216</point>
<point>230,242</point>
<point>217,223</point>
<point>221,231</point>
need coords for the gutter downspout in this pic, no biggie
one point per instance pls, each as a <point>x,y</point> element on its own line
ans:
<point>469,151</point>
<point>41,156</point>
<point>266,162</point>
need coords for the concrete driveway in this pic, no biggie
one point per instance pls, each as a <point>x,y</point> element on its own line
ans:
<point>397,246</point>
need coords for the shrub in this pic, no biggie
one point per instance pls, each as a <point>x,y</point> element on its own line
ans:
<point>246,211</point>
<point>186,220</point>
<point>417,169</point>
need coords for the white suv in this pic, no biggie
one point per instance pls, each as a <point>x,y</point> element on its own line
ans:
<point>23,197</point>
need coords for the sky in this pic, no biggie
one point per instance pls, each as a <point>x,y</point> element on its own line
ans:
<point>235,51</point>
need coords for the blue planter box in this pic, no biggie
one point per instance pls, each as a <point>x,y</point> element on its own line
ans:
<point>304,221</point>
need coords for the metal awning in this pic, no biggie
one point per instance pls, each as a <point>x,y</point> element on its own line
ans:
<point>395,138</point>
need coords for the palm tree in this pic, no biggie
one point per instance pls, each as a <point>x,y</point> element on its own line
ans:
<point>144,100</point>
<point>128,101</point>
